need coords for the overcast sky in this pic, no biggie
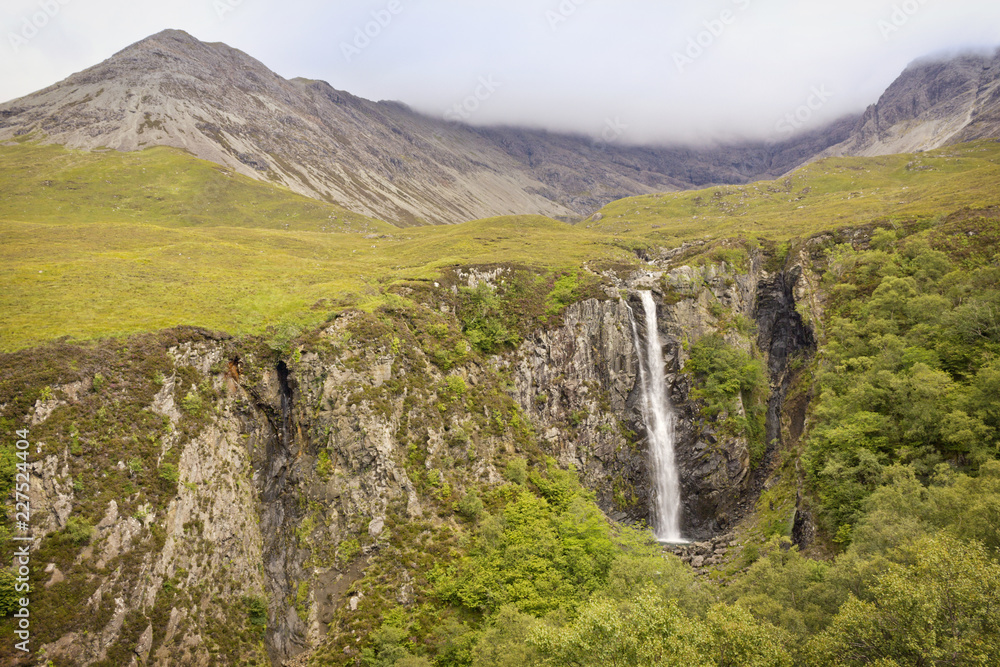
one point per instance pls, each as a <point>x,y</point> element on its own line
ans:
<point>634,70</point>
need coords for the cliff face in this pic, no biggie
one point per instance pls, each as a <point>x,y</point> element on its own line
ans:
<point>933,103</point>
<point>285,476</point>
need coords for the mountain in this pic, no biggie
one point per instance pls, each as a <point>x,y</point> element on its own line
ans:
<point>933,103</point>
<point>385,160</point>
<point>377,158</point>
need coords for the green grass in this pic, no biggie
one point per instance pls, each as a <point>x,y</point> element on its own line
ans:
<point>825,195</point>
<point>106,243</point>
<point>161,186</point>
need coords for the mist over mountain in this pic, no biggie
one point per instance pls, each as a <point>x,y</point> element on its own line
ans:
<point>934,102</point>
<point>378,158</point>
<point>385,160</point>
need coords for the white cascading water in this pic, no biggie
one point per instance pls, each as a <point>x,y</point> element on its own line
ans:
<point>658,415</point>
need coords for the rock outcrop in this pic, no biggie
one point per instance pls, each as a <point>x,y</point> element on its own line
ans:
<point>287,475</point>
<point>380,159</point>
<point>934,102</point>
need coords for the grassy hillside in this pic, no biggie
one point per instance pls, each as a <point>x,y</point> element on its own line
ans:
<point>510,561</point>
<point>100,244</point>
<point>830,193</point>
<point>108,243</point>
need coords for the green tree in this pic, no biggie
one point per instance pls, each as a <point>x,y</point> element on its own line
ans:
<point>940,608</point>
<point>644,632</point>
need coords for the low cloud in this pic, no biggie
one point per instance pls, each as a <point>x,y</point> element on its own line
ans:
<point>725,70</point>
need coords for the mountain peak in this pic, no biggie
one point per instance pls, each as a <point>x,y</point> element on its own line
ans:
<point>172,34</point>
<point>384,160</point>
<point>938,100</point>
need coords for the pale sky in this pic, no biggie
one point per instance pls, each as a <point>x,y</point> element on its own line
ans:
<point>653,71</point>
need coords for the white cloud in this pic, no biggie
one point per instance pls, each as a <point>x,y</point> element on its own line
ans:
<point>564,64</point>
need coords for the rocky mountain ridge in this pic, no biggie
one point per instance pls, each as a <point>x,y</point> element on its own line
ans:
<point>935,102</point>
<point>380,159</point>
<point>385,160</point>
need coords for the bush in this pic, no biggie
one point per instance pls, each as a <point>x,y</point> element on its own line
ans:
<point>8,469</point>
<point>192,403</point>
<point>324,465</point>
<point>470,506</point>
<point>725,377</point>
<point>77,531</point>
<point>169,473</point>
<point>517,471</point>
<point>348,549</point>
<point>483,320</point>
<point>256,609</point>
<point>8,594</point>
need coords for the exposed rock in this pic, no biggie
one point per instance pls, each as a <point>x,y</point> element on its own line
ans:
<point>56,577</point>
<point>933,103</point>
<point>381,159</point>
<point>145,644</point>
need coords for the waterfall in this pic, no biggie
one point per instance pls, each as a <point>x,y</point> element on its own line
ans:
<point>658,415</point>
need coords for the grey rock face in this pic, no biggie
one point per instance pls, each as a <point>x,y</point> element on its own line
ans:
<point>933,103</point>
<point>381,159</point>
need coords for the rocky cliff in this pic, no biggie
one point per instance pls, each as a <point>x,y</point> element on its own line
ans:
<point>935,102</point>
<point>244,495</point>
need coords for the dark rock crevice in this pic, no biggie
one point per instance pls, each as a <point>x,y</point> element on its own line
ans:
<point>277,484</point>
<point>782,334</point>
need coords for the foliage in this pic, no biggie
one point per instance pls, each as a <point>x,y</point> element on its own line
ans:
<point>516,471</point>
<point>788,590</point>
<point>77,531</point>
<point>389,649</point>
<point>910,371</point>
<point>504,642</point>
<point>732,384</point>
<point>938,608</point>
<point>470,506</point>
<point>169,473</point>
<point>324,464</point>
<point>482,314</point>
<point>536,553</point>
<point>646,631</point>
<point>256,609</point>
<point>651,630</point>
<point>8,469</point>
<point>348,550</point>
<point>8,593</point>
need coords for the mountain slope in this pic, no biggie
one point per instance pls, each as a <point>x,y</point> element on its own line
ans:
<point>194,244</point>
<point>933,103</point>
<point>380,159</point>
